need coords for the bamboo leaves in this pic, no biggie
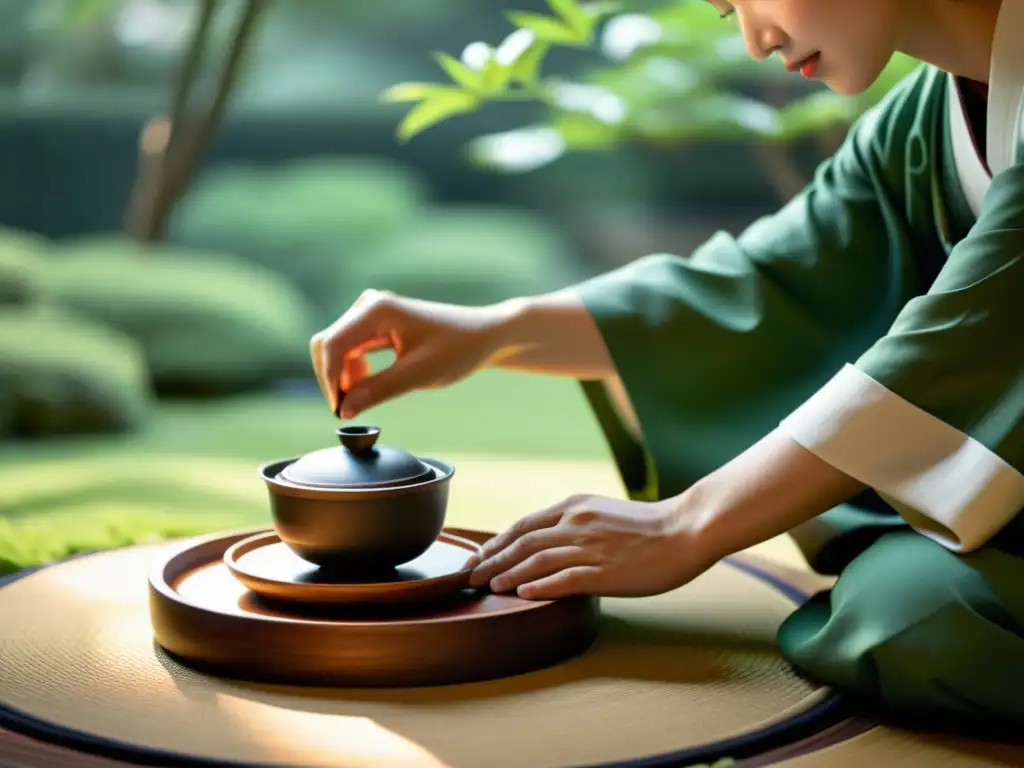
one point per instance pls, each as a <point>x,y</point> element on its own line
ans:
<point>509,71</point>
<point>675,73</point>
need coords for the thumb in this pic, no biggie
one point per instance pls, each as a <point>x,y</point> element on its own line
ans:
<point>407,373</point>
<point>368,325</point>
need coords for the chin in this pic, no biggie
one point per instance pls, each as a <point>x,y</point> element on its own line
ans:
<point>854,80</point>
<point>850,83</point>
<point>844,87</point>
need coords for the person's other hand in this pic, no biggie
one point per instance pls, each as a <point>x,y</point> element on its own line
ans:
<point>434,344</point>
<point>593,545</point>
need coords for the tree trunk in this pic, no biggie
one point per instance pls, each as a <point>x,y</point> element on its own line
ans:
<point>170,148</point>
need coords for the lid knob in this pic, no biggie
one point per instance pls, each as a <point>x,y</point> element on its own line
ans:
<point>358,440</point>
<point>359,462</point>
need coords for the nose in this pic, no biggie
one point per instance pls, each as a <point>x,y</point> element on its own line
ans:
<point>762,40</point>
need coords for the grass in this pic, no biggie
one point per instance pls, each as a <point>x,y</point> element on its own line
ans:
<point>493,412</point>
<point>519,442</point>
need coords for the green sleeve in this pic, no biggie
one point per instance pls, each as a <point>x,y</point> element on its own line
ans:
<point>957,351</point>
<point>931,416</point>
<point>715,347</point>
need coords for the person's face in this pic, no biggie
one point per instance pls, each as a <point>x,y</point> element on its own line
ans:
<point>844,43</point>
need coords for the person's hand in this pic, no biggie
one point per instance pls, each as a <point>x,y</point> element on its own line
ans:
<point>593,545</point>
<point>434,344</point>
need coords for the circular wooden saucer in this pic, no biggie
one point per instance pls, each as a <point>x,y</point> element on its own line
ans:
<point>206,618</point>
<point>266,565</point>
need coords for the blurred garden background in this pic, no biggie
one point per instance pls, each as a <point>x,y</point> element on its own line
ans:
<point>189,189</point>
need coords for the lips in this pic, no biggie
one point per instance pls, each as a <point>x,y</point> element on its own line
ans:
<point>805,66</point>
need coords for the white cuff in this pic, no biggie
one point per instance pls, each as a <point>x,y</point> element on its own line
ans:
<point>945,484</point>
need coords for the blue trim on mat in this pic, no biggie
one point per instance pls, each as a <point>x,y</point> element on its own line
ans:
<point>833,709</point>
<point>795,594</point>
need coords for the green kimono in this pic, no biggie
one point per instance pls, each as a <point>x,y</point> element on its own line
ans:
<point>879,318</point>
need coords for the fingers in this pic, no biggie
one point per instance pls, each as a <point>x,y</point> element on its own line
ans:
<point>365,326</point>
<point>404,375</point>
<point>539,565</point>
<point>576,580</point>
<point>544,518</point>
<point>534,544</point>
<point>544,555</point>
<point>355,368</point>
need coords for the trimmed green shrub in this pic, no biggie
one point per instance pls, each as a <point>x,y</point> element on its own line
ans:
<point>304,220</point>
<point>21,255</point>
<point>209,324</point>
<point>470,255</point>
<point>355,198</point>
<point>62,374</point>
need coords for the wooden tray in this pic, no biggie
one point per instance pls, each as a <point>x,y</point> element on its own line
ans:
<point>268,568</point>
<point>205,618</point>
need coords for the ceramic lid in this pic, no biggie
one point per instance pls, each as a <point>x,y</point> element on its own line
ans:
<point>358,462</point>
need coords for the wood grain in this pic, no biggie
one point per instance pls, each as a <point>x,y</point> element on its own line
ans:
<point>206,619</point>
<point>265,565</point>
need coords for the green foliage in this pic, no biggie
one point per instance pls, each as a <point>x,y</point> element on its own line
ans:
<point>508,71</point>
<point>64,14</point>
<point>675,73</point>
<point>438,103</point>
<point>58,508</point>
<point>21,266</point>
<point>469,255</point>
<point>55,535</point>
<point>63,374</point>
<point>304,221</point>
<point>300,204</point>
<point>208,324</point>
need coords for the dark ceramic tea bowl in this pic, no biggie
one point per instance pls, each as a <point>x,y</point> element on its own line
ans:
<point>359,506</point>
